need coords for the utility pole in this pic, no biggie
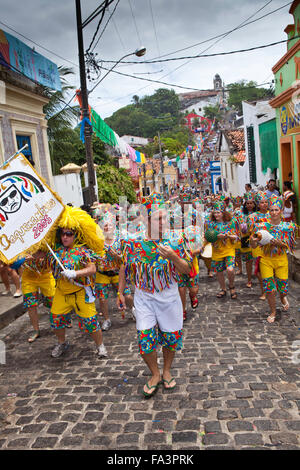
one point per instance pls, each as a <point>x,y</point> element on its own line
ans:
<point>153,175</point>
<point>162,168</point>
<point>145,183</point>
<point>85,109</point>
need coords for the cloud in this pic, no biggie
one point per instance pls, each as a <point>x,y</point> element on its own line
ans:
<point>177,25</point>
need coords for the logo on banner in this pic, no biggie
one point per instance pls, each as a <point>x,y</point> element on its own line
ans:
<point>28,208</point>
<point>16,189</point>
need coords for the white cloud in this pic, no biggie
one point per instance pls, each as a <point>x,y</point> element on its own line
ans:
<point>178,24</point>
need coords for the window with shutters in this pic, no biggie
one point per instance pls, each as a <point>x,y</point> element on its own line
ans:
<point>251,154</point>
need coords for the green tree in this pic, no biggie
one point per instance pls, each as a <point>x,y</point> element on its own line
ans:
<point>113,183</point>
<point>60,120</point>
<point>246,91</point>
<point>147,115</point>
<point>213,112</point>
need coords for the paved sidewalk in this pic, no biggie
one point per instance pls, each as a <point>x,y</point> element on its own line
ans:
<point>237,383</point>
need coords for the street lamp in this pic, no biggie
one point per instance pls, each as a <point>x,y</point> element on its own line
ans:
<point>138,52</point>
<point>88,130</point>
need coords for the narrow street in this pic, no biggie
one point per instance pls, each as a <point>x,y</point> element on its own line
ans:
<point>237,383</point>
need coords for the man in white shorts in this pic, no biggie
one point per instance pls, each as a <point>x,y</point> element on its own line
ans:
<point>153,265</point>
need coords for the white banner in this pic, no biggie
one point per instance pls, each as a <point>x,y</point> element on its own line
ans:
<point>28,208</point>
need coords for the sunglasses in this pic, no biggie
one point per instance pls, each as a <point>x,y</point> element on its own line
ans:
<point>12,195</point>
<point>67,234</point>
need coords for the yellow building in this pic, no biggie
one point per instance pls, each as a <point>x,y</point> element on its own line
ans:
<point>151,177</point>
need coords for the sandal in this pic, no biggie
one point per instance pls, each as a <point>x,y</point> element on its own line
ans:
<point>194,302</point>
<point>168,382</point>
<point>249,285</point>
<point>221,294</point>
<point>184,315</point>
<point>35,335</point>
<point>271,318</point>
<point>155,387</point>
<point>233,295</point>
<point>285,306</point>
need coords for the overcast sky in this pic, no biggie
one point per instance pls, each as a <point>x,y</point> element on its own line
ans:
<point>162,26</point>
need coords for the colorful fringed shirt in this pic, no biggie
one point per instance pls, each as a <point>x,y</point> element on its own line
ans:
<point>35,268</point>
<point>257,217</point>
<point>71,258</point>
<point>223,248</point>
<point>146,269</point>
<point>284,232</point>
<point>106,260</point>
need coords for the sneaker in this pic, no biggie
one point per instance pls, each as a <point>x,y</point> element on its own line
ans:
<point>106,325</point>
<point>60,349</point>
<point>101,351</point>
<point>17,294</point>
<point>6,292</point>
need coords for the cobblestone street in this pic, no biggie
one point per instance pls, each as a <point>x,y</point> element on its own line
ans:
<point>237,383</point>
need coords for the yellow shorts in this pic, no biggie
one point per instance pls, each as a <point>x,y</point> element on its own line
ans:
<point>102,279</point>
<point>276,266</point>
<point>64,303</point>
<point>45,283</point>
<point>256,252</point>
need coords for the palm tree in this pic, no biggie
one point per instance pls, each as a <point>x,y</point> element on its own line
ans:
<point>136,100</point>
<point>61,117</point>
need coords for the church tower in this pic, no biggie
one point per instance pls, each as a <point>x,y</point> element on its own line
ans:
<point>217,83</point>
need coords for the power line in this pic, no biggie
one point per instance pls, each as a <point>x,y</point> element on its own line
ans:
<point>222,34</point>
<point>118,34</point>
<point>136,28</point>
<point>154,28</point>
<point>100,36</point>
<point>150,80</point>
<point>218,40</point>
<point>207,55</point>
<point>98,25</point>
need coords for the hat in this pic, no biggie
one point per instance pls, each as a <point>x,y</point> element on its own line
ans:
<point>249,197</point>
<point>219,206</point>
<point>87,231</point>
<point>287,194</point>
<point>260,196</point>
<point>276,201</point>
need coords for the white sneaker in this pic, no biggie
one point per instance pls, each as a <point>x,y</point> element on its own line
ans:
<point>106,325</point>
<point>6,292</point>
<point>60,349</point>
<point>101,351</point>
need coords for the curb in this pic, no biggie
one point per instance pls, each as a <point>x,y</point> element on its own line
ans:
<point>11,315</point>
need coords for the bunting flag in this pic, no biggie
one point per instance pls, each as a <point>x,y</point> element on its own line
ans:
<point>107,135</point>
<point>140,157</point>
<point>29,209</point>
<point>102,130</point>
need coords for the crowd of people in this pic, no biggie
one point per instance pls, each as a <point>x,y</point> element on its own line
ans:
<point>148,255</point>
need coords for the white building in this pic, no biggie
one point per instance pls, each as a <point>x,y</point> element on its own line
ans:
<point>232,155</point>
<point>196,101</point>
<point>135,141</point>
<point>256,113</point>
<point>240,150</point>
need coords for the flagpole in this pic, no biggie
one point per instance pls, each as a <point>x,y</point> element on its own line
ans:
<point>10,158</point>
<point>55,256</point>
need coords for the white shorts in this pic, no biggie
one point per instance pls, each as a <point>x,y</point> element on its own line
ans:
<point>162,308</point>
